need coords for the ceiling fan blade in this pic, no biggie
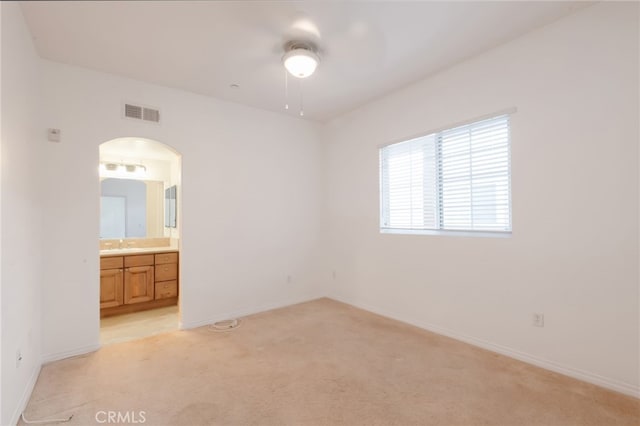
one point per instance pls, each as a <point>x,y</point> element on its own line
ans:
<point>360,45</point>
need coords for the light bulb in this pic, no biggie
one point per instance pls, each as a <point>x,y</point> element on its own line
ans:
<point>300,62</point>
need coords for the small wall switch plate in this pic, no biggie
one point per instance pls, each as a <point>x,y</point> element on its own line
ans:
<point>53,135</point>
<point>538,320</point>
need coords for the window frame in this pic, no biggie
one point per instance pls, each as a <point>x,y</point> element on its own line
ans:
<point>383,170</point>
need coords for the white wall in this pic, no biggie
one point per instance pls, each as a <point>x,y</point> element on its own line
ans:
<point>574,251</point>
<point>1,347</point>
<point>249,194</point>
<point>21,218</point>
<point>251,206</point>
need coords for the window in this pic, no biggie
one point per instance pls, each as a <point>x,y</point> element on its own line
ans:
<point>455,180</point>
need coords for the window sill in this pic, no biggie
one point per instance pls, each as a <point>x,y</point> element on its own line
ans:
<point>448,233</point>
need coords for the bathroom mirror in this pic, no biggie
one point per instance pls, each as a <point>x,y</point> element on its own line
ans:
<point>170,207</point>
<point>131,208</point>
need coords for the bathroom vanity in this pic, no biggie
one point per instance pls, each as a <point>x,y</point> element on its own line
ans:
<point>137,279</point>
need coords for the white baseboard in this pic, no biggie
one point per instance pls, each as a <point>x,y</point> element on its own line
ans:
<point>26,395</point>
<point>585,376</point>
<point>67,354</point>
<point>248,311</point>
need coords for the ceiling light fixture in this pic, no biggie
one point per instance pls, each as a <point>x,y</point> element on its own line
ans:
<point>300,60</point>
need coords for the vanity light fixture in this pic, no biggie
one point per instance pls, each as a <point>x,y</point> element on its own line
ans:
<point>122,170</point>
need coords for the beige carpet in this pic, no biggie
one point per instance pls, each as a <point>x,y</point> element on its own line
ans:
<point>318,363</point>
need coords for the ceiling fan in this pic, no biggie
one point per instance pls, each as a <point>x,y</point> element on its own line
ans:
<point>303,47</point>
<point>300,59</point>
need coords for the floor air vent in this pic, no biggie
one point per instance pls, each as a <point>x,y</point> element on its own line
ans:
<point>138,112</point>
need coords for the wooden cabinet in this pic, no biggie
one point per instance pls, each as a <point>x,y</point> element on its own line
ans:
<point>139,285</point>
<point>111,282</point>
<point>139,260</point>
<point>138,282</point>
<point>164,258</point>
<point>111,262</point>
<point>111,288</point>
<point>166,289</point>
<point>166,270</point>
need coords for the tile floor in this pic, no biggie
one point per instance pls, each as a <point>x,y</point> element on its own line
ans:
<point>124,328</point>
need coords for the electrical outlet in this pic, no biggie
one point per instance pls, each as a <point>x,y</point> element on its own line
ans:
<point>538,320</point>
<point>53,135</point>
<point>333,274</point>
<point>18,358</point>
<point>289,279</point>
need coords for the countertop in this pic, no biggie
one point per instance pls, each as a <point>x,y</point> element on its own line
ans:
<point>136,250</point>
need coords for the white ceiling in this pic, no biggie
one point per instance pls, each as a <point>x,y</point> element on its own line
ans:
<point>367,48</point>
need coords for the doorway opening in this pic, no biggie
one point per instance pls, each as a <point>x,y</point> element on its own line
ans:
<point>140,198</point>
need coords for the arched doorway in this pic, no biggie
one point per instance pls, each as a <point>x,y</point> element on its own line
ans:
<point>140,198</point>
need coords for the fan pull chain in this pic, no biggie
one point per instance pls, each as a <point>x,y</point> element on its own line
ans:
<point>301,100</point>
<point>286,89</point>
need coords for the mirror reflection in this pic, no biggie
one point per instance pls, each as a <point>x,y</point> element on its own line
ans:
<point>131,208</point>
<point>170,207</point>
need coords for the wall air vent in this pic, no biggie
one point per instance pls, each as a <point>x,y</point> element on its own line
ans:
<point>138,112</point>
<point>150,114</point>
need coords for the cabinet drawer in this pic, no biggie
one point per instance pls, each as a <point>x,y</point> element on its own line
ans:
<point>162,258</point>
<point>111,262</point>
<point>141,260</point>
<point>167,272</point>
<point>166,289</point>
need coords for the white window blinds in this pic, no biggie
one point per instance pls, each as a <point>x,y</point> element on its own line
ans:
<point>456,179</point>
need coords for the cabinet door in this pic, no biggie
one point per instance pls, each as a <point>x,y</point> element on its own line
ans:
<point>111,288</point>
<point>138,284</point>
